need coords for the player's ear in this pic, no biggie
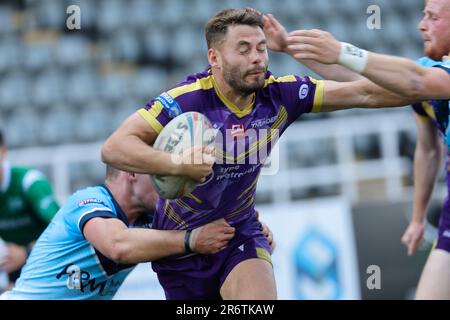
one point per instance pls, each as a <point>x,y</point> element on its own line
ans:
<point>213,58</point>
<point>131,176</point>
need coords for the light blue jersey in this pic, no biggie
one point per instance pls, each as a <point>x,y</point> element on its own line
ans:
<point>438,111</point>
<point>63,264</point>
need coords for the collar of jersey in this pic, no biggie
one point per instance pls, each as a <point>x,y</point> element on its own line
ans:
<point>120,214</point>
<point>238,112</point>
<point>6,168</point>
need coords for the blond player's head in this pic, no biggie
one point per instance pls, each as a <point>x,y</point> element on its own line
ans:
<point>132,190</point>
<point>435,28</point>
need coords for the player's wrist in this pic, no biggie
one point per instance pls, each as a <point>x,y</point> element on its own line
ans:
<point>187,241</point>
<point>353,58</point>
<point>418,220</point>
<point>176,165</point>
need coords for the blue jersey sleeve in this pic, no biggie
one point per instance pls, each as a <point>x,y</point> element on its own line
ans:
<point>419,108</point>
<point>84,206</point>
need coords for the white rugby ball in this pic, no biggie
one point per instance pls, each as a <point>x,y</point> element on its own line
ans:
<point>181,133</point>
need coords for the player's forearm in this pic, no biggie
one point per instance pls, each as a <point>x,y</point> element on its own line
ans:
<point>397,74</point>
<point>333,72</point>
<point>380,97</point>
<point>359,94</point>
<point>137,245</point>
<point>426,170</point>
<point>131,154</point>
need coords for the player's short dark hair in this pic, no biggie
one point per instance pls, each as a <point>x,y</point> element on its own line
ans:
<point>216,28</point>
<point>2,142</point>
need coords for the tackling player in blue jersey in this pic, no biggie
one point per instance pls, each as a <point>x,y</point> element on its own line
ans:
<point>99,235</point>
<point>428,79</point>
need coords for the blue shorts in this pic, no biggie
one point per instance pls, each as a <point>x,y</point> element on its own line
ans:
<point>201,276</point>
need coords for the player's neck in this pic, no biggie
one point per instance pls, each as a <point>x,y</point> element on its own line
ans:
<point>237,99</point>
<point>133,215</point>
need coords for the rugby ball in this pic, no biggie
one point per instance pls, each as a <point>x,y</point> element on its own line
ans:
<point>181,133</point>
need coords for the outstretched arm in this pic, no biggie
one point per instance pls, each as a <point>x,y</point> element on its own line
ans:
<point>400,75</point>
<point>134,245</point>
<point>360,92</point>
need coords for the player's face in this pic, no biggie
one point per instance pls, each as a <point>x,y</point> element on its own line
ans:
<point>435,28</point>
<point>145,195</point>
<point>243,58</point>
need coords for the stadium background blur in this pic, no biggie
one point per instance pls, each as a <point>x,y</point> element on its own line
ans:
<point>62,92</point>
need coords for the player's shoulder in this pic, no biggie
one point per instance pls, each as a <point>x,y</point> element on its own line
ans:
<point>20,171</point>
<point>193,84</point>
<point>26,177</point>
<point>428,62</point>
<point>91,197</point>
<point>84,205</point>
<point>188,95</point>
<point>272,80</point>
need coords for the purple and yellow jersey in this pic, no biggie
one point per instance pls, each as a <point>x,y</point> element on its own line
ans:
<point>230,191</point>
<point>437,111</point>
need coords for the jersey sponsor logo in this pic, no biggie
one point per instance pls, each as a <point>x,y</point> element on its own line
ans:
<point>267,121</point>
<point>90,200</point>
<point>79,279</point>
<point>446,234</point>
<point>303,91</point>
<point>237,130</point>
<point>237,172</point>
<point>172,107</point>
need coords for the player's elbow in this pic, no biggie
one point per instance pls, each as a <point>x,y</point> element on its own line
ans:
<point>119,252</point>
<point>107,152</point>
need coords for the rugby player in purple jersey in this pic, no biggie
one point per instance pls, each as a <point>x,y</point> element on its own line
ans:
<point>237,93</point>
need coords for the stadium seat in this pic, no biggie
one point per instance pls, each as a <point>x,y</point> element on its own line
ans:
<point>49,86</point>
<point>14,91</point>
<point>83,84</point>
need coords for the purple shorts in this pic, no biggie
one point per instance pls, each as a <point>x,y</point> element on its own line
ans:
<point>201,276</point>
<point>443,242</point>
